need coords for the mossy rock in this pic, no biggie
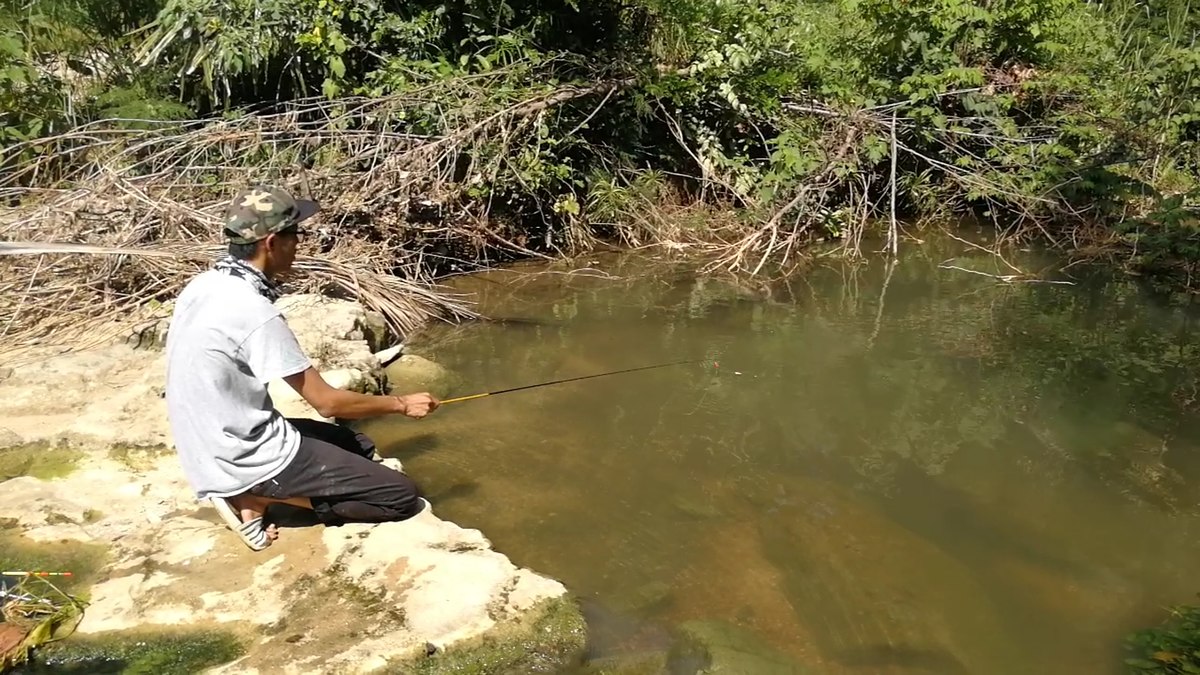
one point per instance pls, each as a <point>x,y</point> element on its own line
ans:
<point>42,459</point>
<point>718,647</point>
<point>550,638</point>
<point>138,652</point>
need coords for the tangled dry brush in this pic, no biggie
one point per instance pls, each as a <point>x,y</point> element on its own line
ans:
<point>107,219</point>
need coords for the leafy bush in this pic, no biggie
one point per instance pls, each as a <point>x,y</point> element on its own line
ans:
<point>808,116</point>
<point>1172,648</point>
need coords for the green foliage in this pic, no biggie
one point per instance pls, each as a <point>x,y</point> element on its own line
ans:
<point>945,39</point>
<point>280,48</point>
<point>33,102</point>
<point>1058,112</point>
<point>66,62</point>
<point>238,51</point>
<point>1172,648</point>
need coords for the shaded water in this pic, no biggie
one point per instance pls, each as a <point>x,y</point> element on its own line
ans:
<point>892,470</point>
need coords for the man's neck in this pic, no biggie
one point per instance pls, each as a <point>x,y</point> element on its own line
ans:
<point>261,266</point>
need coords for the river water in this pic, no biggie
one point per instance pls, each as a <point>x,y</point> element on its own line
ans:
<point>876,469</point>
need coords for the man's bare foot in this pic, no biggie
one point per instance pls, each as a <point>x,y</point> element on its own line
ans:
<point>250,507</point>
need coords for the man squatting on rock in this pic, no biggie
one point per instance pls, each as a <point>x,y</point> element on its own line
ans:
<point>226,341</point>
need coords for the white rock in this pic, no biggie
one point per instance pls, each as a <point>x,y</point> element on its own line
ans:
<point>349,379</point>
<point>290,404</point>
<point>334,333</point>
<point>113,605</point>
<point>390,354</point>
<point>393,463</point>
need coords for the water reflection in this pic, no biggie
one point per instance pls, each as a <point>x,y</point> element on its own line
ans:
<point>893,469</point>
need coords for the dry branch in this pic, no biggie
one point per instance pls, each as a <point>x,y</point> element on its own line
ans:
<point>965,156</point>
<point>112,218</point>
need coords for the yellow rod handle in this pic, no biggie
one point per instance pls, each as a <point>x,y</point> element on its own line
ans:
<point>464,398</point>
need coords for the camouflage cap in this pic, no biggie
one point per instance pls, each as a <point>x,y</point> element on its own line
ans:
<point>260,210</point>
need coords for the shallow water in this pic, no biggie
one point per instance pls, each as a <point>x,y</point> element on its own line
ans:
<point>877,469</point>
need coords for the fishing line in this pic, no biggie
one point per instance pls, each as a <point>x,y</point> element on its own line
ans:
<point>569,379</point>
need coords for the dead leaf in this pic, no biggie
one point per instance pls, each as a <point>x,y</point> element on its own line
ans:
<point>12,639</point>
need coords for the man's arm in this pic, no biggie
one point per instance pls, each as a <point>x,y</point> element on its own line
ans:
<point>332,402</point>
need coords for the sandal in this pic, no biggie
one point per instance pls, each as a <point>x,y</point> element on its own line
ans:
<point>251,532</point>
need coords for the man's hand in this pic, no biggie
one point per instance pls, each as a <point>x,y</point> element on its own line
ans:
<point>419,405</point>
<point>331,402</point>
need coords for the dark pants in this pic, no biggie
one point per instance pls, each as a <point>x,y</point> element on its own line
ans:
<point>332,468</point>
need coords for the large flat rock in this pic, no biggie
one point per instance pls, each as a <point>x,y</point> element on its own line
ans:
<point>355,598</point>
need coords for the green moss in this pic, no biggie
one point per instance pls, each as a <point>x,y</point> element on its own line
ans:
<point>82,560</point>
<point>648,663</point>
<point>159,652</point>
<point>549,639</point>
<point>138,457</point>
<point>374,602</point>
<point>57,519</point>
<point>42,460</point>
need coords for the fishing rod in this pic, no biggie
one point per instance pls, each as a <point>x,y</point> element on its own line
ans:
<point>569,379</point>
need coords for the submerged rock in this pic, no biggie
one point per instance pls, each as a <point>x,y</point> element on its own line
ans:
<point>875,596</point>
<point>647,597</point>
<point>412,373</point>
<point>711,647</point>
<point>550,638</point>
<point>642,663</point>
<point>697,508</point>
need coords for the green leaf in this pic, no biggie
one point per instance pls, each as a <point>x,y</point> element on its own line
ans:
<point>338,67</point>
<point>11,46</point>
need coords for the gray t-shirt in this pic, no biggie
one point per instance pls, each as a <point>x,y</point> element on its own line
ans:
<point>224,344</point>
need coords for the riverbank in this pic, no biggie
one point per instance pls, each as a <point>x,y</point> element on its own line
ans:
<point>752,131</point>
<point>87,459</point>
